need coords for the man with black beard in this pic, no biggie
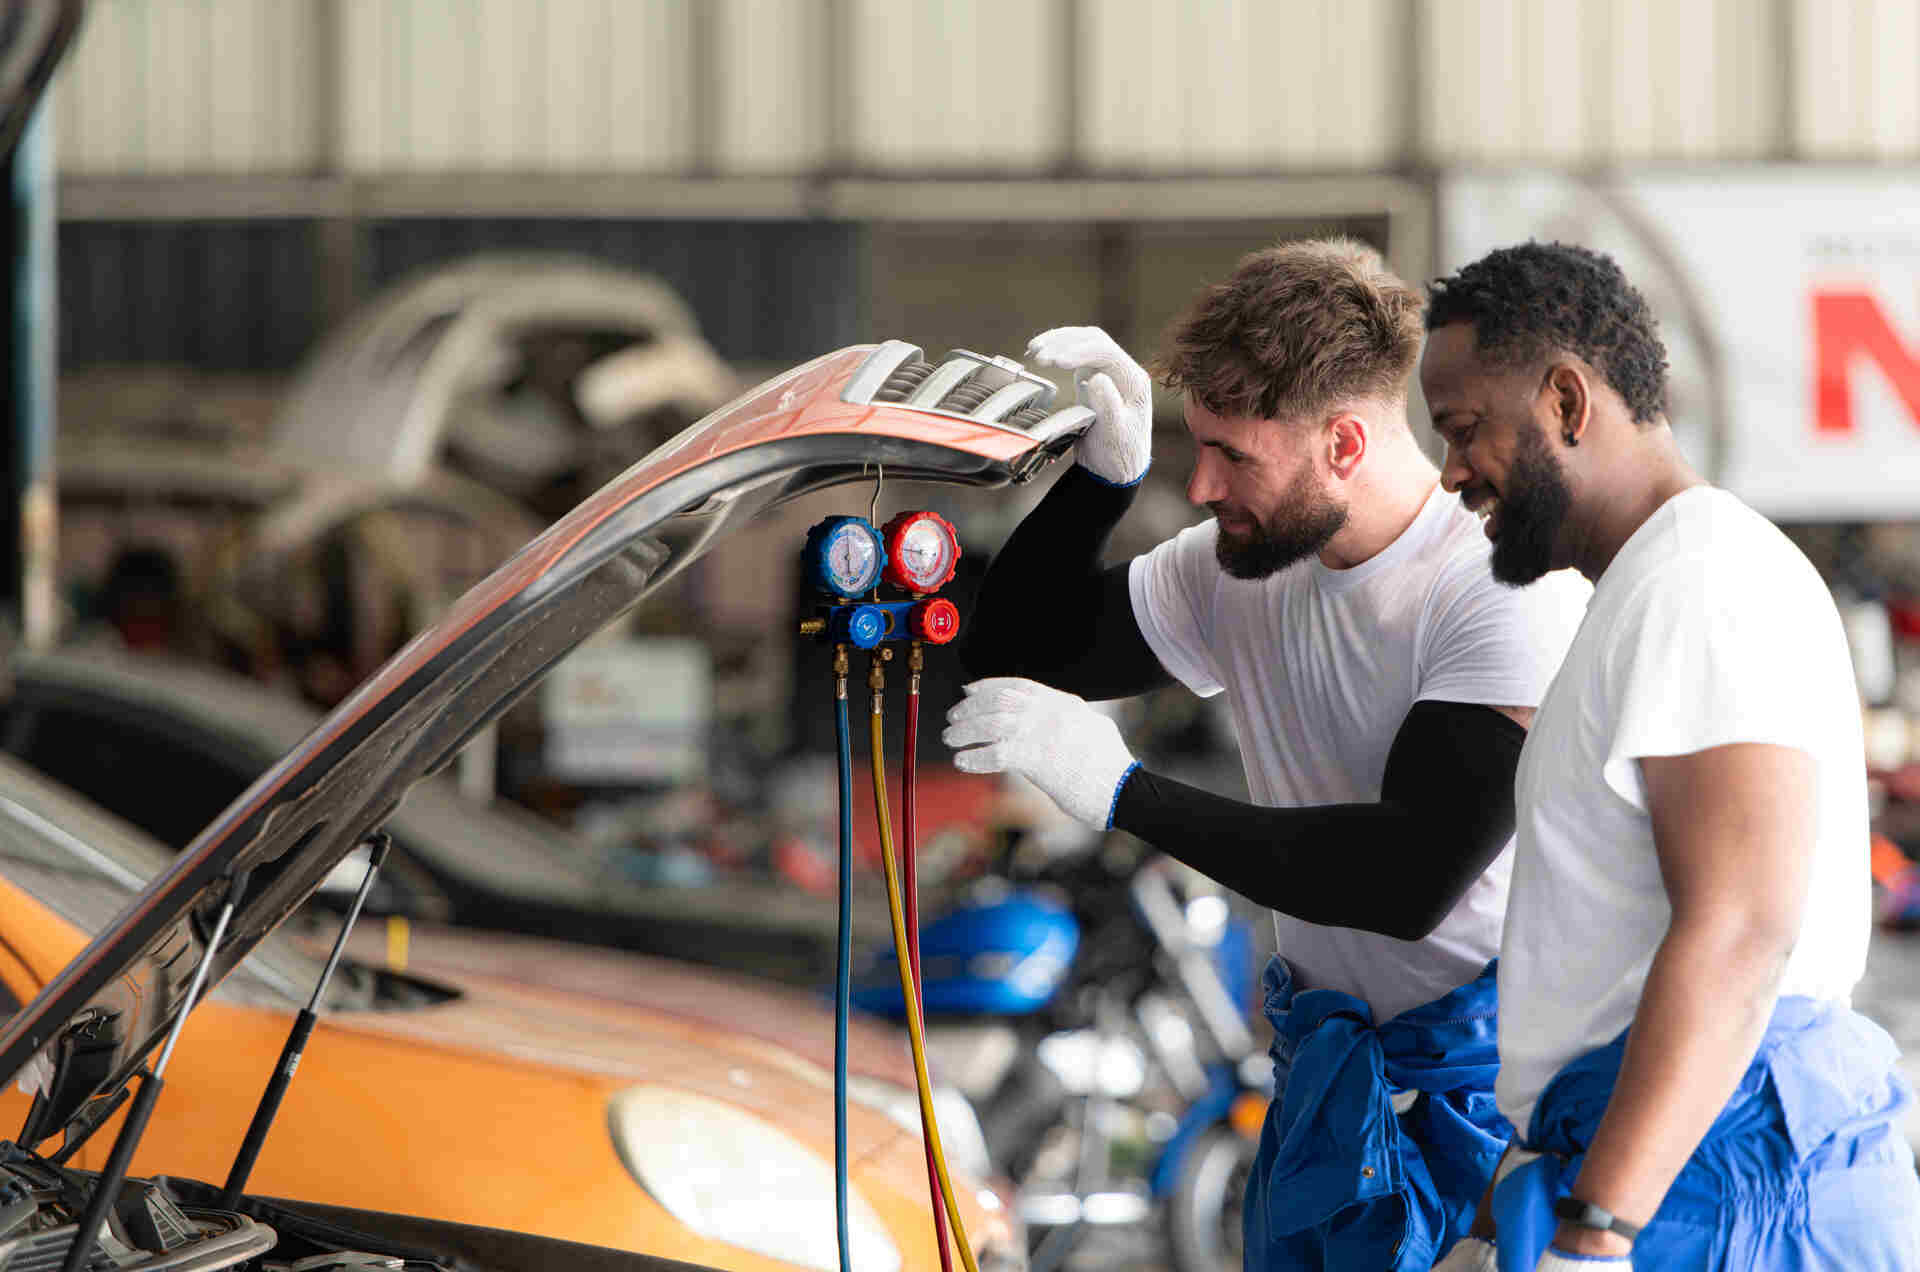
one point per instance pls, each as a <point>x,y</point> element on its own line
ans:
<point>1689,905</point>
<point>1523,525</point>
<point>1381,682</point>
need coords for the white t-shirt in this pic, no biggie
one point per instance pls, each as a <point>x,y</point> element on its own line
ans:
<point>1708,628</point>
<point>1321,666</point>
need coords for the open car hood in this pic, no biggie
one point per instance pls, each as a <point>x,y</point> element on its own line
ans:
<point>966,420</point>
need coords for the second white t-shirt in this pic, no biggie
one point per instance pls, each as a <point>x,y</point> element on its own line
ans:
<point>1708,628</point>
<point>1321,666</point>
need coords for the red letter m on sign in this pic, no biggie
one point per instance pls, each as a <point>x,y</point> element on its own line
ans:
<point>1849,325</point>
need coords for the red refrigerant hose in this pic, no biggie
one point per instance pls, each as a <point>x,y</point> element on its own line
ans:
<point>909,773</point>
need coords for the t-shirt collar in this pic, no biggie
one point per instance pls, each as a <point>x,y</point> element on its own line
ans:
<point>1646,535</point>
<point>1426,522</point>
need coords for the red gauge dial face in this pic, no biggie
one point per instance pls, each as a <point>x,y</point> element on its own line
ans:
<point>922,551</point>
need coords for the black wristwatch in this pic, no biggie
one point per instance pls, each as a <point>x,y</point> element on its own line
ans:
<point>1584,1214</point>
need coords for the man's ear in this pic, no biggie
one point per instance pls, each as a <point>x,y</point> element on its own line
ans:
<point>1571,399</point>
<point>1346,444</point>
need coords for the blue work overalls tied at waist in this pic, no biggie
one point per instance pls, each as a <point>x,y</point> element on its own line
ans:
<point>1806,1166</point>
<point>1342,1180</point>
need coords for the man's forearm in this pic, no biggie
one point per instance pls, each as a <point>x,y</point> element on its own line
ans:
<point>1733,829</point>
<point>1321,864</point>
<point>1396,866</point>
<point>1707,1000</point>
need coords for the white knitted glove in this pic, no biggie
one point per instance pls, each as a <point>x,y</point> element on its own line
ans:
<point>1470,1254</point>
<point>1056,741</point>
<point>1119,446</point>
<point>1551,1260</point>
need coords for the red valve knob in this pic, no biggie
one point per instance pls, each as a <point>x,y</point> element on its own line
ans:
<point>936,621</point>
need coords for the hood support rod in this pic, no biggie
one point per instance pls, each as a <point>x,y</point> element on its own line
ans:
<point>379,842</point>
<point>106,1189</point>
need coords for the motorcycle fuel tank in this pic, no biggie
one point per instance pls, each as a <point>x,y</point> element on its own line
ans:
<point>1001,955</point>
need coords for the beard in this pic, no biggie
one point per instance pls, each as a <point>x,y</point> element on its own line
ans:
<point>1308,518</point>
<point>1531,512</point>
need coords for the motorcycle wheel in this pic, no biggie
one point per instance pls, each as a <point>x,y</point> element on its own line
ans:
<point>1203,1212</point>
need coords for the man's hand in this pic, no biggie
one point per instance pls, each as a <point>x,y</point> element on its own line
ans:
<point>1053,739</point>
<point>1119,446</point>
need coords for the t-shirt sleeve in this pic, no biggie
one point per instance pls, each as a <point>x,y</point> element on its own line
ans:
<point>1172,589</point>
<point>1495,645</point>
<point>1704,659</point>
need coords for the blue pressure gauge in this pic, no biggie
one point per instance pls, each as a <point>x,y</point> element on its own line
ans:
<point>844,556</point>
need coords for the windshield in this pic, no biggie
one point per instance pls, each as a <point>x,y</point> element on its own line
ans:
<point>87,879</point>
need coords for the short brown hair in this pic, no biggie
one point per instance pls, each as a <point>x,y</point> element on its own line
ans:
<point>1295,329</point>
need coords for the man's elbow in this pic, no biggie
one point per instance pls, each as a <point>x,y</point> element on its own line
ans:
<point>1422,903</point>
<point>1744,945</point>
<point>1411,930</point>
<point>1418,919</point>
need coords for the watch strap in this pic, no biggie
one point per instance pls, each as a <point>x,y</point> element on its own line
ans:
<point>1584,1214</point>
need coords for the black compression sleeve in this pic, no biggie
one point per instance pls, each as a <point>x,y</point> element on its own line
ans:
<point>1396,867</point>
<point>1049,612</point>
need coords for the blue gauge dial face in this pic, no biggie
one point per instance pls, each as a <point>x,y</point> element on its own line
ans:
<point>852,558</point>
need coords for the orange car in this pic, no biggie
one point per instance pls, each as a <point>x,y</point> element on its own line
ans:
<point>496,1109</point>
<point>481,1101</point>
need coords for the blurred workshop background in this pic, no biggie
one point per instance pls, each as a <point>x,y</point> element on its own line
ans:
<point>321,308</point>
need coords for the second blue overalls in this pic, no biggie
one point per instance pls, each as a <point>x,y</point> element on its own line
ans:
<point>1381,1138</point>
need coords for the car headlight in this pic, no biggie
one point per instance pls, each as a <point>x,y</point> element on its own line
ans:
<point>733,1177</point>
<point>965,1144</point>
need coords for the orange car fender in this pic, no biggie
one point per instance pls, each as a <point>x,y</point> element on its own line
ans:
<point>381,1124</point>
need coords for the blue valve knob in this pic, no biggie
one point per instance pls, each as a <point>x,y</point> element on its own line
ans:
<point>862,626</point>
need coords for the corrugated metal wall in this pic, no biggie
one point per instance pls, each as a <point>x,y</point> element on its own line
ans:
<point>235,296</point>
<point>191,86</point>
<point>1243,84</point>
<point>1603,80</point>
<point>763,291</point>
<point>244,296</point>
<point>1014,86</point>
<point>493,85</point>
<point>979,86</point>
<point>771,114</point>
<point>1857,78</point>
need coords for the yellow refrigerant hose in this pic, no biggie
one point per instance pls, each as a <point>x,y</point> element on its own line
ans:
<point>914,1035</point>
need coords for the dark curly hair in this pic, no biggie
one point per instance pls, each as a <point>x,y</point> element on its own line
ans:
<point>1530,301</point>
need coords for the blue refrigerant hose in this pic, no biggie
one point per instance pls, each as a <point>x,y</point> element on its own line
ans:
<point>844,994</point>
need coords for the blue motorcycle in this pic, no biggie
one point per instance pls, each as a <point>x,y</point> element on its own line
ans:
<point>1096,1011</point>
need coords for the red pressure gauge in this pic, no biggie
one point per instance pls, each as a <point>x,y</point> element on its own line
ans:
<point>922,551</point>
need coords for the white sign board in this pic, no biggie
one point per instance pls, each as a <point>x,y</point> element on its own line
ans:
<point>622,709</point>
<point>1789,300</point>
